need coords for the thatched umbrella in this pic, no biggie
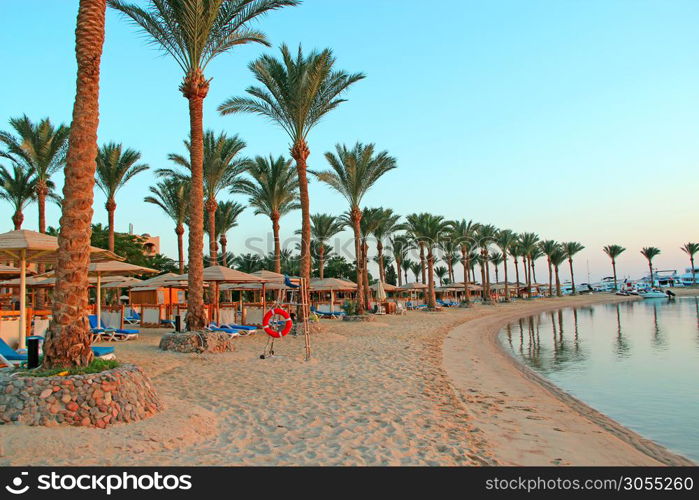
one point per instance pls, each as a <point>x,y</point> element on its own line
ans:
<point>332,285</point>
<point>24,246</point>
<point>221,274</point>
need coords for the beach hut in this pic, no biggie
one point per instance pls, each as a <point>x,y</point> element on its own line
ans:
<point>23,246</point>
<point>328,290</point>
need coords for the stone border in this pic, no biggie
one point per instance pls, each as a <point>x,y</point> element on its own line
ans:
<point>363,317</point>
<point>197,342</point>
<point>123,394</point>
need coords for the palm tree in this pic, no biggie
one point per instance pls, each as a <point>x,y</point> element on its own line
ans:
<point>650,253</point>
<point>432,229</point>
<point>691,249</point>
<point>485,235</point>
<point>324,227</point>
<point>273,192</point>
<point>412,226</point>
<point>222,169</point>
<point>449,248</point>
<point>248,263</point>
<point>516,252</point>
<point>441,272</point>
<point>548,247</point>
<point>529,243</point>
<point>506,240</point>
<point>614,251</point>
<point>225,219</point>
<point>558,257</point>
<point>399,246</point>
<point>115,167</point>
<point>172,195</point>
<point>416,268</point>
<point>18,187</point>
<point>40,148</point>
<point>496,259</point>
<point>68,338</point>
<point>371,218</point>
<point>296,93</point>
<point>194,32</point>
<point>353,172</point>
<point>465,234</point>
<point>570,248</point>
<point>387,224</point>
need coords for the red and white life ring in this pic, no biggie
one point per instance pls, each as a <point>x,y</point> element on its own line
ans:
<point>271,331</point>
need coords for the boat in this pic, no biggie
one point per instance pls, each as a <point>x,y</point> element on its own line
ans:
<point>653,294</point>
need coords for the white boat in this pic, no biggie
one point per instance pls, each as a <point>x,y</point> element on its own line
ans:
<point>653,294</point>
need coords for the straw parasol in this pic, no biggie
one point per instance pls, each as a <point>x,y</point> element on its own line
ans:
<point>24,246</point>
<point>113,268</point>
<point>413,286</point>
<point>222,274</point>
<point>332,285</point>
<point>122,282</point>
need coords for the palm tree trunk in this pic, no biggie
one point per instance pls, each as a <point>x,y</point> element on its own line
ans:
<point>379,251</point>
<point>224,249</point>
<point>194,88</point>
<point>321,261</point>
<point>614,274</point>
<point>68,338</point>
<point>111,208</point>
<point>519,295</point>
<point>422,262</point>
<point>18,219</point>
<point>179,231</point>
<point>300,152</point>
<point>211,206</point>
<point>431,298</point>
<point>356,215</point>
<point>694,278</point>
<point>558,283</point>
<point>277,245</point>
<point>483,291</point>
<point>365,276</point>
<point>507,287</point>
<point>650,269</point>
<point>465,263</point>
<point>548,260</point>
<point>572,278</point>
<point>41,192</point>
<point>398,267</point>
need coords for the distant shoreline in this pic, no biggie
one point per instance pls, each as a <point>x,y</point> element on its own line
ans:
<point>527,419</point>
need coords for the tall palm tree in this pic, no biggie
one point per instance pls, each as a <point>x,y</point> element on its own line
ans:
<point>194,32</point>
<point>324,227</point>
<point>116,166</point>
<point>529,244</point>
<point>68,338</point>
<point>431,230</point>
<point>399,246</point>
<point>496,259</point>
<point>353,172</point>
<point>172,195</point>
<point>650,253</point>
<point>691,249</point>
<point>548,247</point>
<point>412,226</point>
<point>406,265</point>
<point>614,251</point>
<point>386,225</point>
<point>40,148</point>
<point>558,257</point>
<point>222,169</point>
<point>449,247</point>
<point>506,240</point>
<point>485,235</point>
<point>18,187</point>
<point>225,219</point>
<point>296,93</point>
<point>465,233</point>
<point>570,248</point>
<point>516,252</point>
<point>274,192</point>
<point>371,218</point>
<point>416,268</point>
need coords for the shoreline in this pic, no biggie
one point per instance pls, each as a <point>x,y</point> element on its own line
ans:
<point>525,418</point>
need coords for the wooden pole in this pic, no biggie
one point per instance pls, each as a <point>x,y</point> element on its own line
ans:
<point>23,300</point>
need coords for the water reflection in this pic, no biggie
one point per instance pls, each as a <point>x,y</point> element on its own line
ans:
<point>637,361</point>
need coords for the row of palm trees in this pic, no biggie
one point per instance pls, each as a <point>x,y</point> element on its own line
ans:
<point>614,251</point>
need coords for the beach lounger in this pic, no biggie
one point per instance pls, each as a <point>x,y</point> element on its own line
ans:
<point>133,318</point>
<point>10,357</point>
<point>111,333</point>
<point>214,328</point>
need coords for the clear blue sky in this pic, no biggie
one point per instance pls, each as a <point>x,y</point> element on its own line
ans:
<point>573,119</point>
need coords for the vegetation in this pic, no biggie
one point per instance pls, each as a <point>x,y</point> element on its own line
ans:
<point>95,366</point>
<point>691,249</point>
<point>614,251</point>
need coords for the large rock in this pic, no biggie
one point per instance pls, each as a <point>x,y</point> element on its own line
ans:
<point>123,394</point>
<point>197,342</point>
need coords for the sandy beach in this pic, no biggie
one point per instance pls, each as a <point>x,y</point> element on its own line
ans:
<point>419,389</point>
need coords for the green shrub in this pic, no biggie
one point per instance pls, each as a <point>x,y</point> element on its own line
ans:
<point>97,366</point>
<point>350,307</point>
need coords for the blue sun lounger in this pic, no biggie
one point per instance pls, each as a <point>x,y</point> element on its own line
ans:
<point>11,357</point>
<point>111,333</point>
